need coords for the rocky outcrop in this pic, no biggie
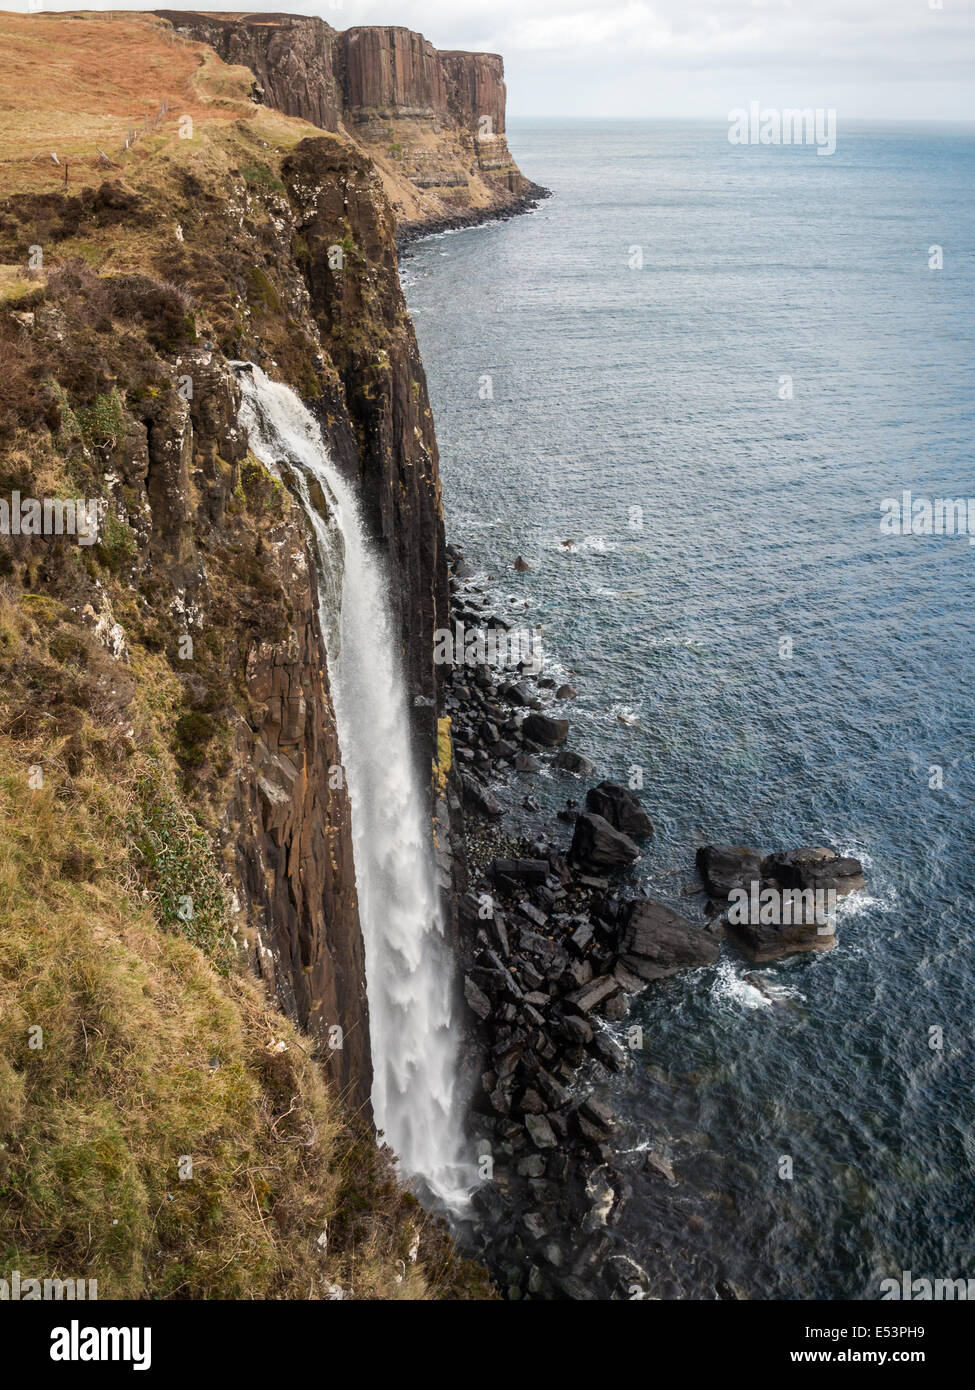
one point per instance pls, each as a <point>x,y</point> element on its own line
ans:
<point>782,904</point>
<point>658,942</point>
<point>726,867</point>
<point>621,808</point>
<point>292,56</point>
<point>818,869</point>
<point>433,122</point>
<point>596,845</point>
<point>390,73</point>
<point>476,92</point>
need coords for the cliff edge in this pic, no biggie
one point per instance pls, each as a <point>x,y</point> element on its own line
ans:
<point>433,122</point>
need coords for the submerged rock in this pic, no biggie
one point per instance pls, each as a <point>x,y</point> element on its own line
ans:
<point>574,762</point>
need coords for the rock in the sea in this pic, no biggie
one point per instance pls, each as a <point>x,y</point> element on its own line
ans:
<point>620,807</point>
<point>726,867</point>
<point>767,941</point>
<point>574,762</point>
<point>814,868</point>
<point>522,565</point>
<point>658,942</point>
<point>540,728</point>
<point>516,692</point>
<point>566,692</point>
<point>598,1114</point>
<point>597,845</point>
<point>608,1051</point>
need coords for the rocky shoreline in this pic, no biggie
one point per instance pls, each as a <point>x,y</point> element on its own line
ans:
<point>555,947</point>
<point>527,201</point>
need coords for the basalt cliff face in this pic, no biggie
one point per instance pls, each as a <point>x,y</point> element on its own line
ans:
<point>433,122</point>
<point>168,744</point>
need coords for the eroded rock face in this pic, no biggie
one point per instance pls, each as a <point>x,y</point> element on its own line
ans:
<point>475,89</point>
<point>286,830</point>
<point>291,832</point>
<point>378,423</point>
<point>389,72</point>
<point>434,122</point>
<point>292,57</point>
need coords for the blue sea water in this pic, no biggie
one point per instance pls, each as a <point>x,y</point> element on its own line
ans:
<point>638,412</point>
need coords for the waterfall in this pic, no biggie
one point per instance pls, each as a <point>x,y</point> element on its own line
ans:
<point>408,967</point>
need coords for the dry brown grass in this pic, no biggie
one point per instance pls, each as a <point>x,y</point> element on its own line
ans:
<point>73,83</point>
<point>147,1055</point>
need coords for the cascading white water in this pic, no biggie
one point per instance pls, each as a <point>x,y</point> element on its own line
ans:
<point>408,971</point>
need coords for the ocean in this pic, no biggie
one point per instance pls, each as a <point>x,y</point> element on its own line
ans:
<point>683,390</point>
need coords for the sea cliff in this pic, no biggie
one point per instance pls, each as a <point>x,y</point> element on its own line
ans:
<point>177,827</point>
<point>432,122</point>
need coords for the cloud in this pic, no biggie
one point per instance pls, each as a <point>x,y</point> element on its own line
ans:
<point>683,57</point>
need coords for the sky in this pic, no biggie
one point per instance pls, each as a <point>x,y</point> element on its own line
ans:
<point>881,59</point>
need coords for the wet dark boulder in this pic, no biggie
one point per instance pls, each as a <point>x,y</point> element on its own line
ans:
<point>593,993</point>
<point>621,808</point>
<point>516,693</point>
<point>540,728</point>
<point>821,869</point>
<point>540,1132</point>
<point>596,844</point>
<point>574,762</point>
<point>765,942</point>
<point>477,1000</point>
<point>657,942</point>
<point>726,867</point>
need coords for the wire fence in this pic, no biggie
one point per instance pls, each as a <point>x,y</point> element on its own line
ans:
<point>134,132</point>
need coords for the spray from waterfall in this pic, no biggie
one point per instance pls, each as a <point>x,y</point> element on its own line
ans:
<point>408,968</point>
